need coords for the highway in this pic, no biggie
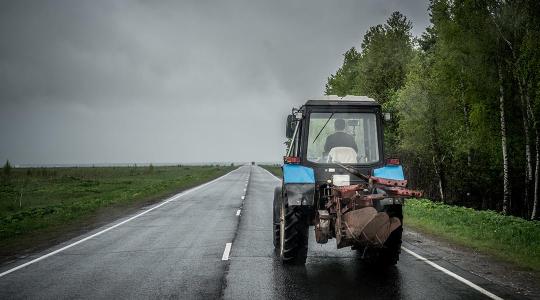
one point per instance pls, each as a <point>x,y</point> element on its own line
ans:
<point>215,241</point>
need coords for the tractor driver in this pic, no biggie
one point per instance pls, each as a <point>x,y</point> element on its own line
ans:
<point>339,138</point>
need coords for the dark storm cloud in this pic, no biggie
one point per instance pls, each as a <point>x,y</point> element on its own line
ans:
<point>167,81</point>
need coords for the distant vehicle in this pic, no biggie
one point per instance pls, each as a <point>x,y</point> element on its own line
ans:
<point>335,179</point>
<point>252,163</point>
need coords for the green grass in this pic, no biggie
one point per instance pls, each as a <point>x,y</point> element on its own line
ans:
<point>34,200</point>
<point>506,237</point>
<point>274,169</point>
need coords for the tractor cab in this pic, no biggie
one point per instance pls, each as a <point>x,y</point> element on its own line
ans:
<point>331,130</point>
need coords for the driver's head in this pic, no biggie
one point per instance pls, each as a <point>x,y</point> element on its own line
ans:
<point>339,124</point>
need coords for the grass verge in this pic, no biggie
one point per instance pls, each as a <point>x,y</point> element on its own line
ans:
<point>506,237</point>
<point>46,202</point>
<point>274,169</point>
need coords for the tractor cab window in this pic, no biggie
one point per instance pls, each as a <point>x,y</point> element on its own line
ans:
<point>349,138</point>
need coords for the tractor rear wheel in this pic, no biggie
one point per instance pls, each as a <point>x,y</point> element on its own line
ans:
<point>392,246</point>
<point>294,233</point>
<point>389,254</point>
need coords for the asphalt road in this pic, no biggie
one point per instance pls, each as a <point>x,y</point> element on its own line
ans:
<point>177,249</point>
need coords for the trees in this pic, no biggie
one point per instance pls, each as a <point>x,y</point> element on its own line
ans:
<point>423,119</point>
<point>379,70</point>
<point>466,96</point>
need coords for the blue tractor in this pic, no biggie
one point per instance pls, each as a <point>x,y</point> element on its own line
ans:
<point>335,178</point>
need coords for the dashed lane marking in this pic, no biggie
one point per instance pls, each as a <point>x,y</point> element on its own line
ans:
<point>226,251</point>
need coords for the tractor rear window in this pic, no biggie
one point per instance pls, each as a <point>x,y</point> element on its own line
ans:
<point>349,138</point>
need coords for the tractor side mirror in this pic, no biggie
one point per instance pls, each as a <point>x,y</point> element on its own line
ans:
<point>289,131</point>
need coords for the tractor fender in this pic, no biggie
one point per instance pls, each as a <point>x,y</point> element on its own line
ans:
<point>299,183</point>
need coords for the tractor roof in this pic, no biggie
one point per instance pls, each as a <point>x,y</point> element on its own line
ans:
<point>346,100</point>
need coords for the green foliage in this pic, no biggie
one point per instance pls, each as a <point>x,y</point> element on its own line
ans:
<point>386,52</point>
<point>509,238</point>
<point>343,82</point>
<point>379,70</point>
<point>444,89</point>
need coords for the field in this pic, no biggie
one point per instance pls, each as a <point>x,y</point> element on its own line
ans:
<point>37,202</point>
<point>505,237</point>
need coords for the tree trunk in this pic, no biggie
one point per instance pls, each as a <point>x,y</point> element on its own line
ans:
<point>506,181</point>
<point>528,167</point>
<point>530,112</point>
<point>439,170</point>
<point>467,125</point>
<point>466,120</point>
<point>536,174</point>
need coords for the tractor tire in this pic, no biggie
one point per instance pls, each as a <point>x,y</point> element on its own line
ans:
<point>275,217</point>
<point>294,233</point>
<point>389,255</point>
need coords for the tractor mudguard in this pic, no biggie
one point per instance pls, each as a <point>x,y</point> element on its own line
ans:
<point>299,182</point>
<point>394,172</point>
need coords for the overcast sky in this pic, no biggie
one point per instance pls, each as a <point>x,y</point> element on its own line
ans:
<point>168,81</point>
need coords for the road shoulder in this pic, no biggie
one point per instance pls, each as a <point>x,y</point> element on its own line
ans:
<point>522,282</point>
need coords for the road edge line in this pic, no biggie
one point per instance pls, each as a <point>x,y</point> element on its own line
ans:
<point>453,275</point>
<point>175,197</point>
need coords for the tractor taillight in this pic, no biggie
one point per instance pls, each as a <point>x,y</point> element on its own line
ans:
<point>393,161</point>
<point>292,159</point>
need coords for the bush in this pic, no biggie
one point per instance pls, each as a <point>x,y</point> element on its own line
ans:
<point>7,168</point>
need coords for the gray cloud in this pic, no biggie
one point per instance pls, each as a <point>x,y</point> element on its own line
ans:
<point>168,81</point>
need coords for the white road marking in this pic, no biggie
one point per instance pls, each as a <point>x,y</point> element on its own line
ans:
<point>436,266</point>
<point>245,190</point>
<point>175,197</point>
<point>453,275</point>
<point>226,251</point>
<point>238,212</point>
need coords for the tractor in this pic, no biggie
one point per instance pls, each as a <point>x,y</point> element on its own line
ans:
<point>335,178</point>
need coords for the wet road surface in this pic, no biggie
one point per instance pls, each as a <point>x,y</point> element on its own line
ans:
<point>176,250</point>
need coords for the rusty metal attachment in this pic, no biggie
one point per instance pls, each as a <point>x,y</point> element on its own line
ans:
<point>366,226</point>
<point>322,227</point>
<point>355,219</point>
